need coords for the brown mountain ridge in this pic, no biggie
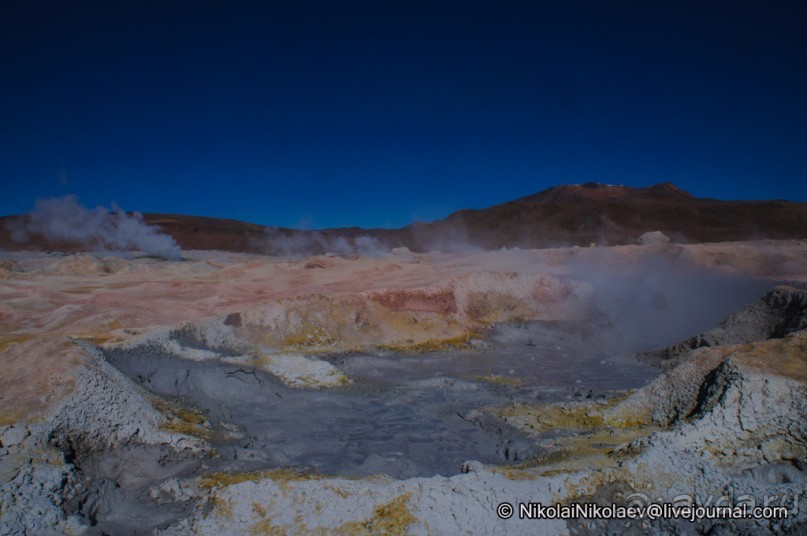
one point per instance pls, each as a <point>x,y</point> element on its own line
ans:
<point>574,214</point>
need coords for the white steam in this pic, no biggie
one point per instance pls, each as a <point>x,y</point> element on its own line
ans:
<point>65,219</point>
<point>300,244</point>
<point>655,301</point>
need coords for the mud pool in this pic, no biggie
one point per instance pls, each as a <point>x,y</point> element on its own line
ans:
<point>402,415</point>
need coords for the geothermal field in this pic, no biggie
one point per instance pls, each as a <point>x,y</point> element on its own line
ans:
<point>429,267</point>
<point>401,392</point>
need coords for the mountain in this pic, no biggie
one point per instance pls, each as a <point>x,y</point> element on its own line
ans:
<point>574,214</point>
<point>581,214</point>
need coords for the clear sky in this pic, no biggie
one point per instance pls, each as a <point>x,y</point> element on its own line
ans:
<point>375,113</point>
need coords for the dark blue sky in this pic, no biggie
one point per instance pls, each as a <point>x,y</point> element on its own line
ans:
<point>375,113</point>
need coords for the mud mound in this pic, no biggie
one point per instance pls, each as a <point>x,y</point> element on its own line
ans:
<point>780,311</point>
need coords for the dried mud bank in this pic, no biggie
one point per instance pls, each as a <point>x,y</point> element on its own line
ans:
<point>54,476</point>
<point>724,421</point>
<point>420,318</point>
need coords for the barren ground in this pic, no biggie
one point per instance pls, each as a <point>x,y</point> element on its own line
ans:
<point>312,326</point>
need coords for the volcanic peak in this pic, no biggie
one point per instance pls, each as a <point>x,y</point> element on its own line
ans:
<point>595,191</point>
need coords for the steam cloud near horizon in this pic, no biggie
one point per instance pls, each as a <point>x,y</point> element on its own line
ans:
<point>300,243</point>
<point>304,244</point>
<point>64,218</point>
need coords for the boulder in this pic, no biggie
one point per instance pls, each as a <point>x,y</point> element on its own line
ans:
<point>654,238</point>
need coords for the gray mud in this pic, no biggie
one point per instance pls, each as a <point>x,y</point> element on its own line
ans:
<point>115,492</point>
<point>403,415</point>
<point>414,415</point>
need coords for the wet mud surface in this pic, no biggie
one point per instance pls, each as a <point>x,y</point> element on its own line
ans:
<point>402,415</point>
<point>115,494</point>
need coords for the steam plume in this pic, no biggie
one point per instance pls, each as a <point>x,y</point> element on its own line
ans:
<point>64,218</point>
<point>299,244</point>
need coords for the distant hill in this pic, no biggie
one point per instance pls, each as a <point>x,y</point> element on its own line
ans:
<point>576,214</point>
<point>581,214</point>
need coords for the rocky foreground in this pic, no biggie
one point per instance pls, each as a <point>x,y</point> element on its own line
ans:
<point>723,423</point>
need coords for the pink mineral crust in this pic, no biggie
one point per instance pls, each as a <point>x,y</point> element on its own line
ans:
<point>316,304</point>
